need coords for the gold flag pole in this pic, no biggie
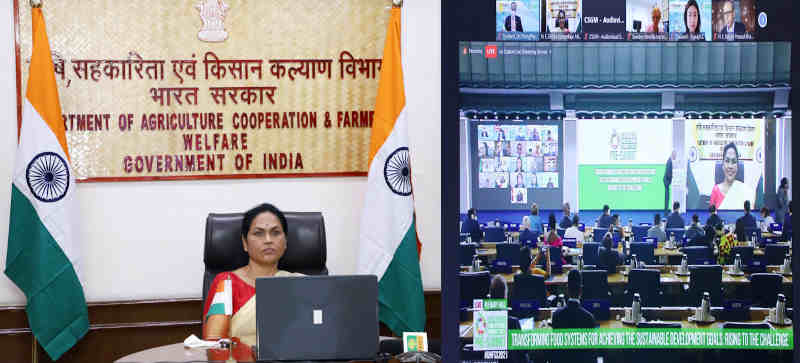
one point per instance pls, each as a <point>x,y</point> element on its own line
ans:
<point>33,352</point>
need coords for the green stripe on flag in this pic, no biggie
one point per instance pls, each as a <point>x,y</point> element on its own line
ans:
<point>402,304</point>
<point>56,309</point>
<point>216,309</point>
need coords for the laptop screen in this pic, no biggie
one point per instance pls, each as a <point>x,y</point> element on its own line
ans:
<point>317,317</point>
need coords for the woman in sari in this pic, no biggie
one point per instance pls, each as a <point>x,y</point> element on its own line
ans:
<point>264,239</point>
<point>731,193</point>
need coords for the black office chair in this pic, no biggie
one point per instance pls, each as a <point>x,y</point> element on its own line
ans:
<point>590,256</point>
<point>645,252</point>
<point>508,252</point>
<point>473,285</point>
<point>704,279</point>
<point>465,255</point>
<point>639,233</point>
<point>598,233</point>
<point>775,254</point>
<point>528,290</point>
<point>765,288</point>
<point>306,252</point>
<point>595,285</point>
<point>596,296</point>
<point>648,284</point>
<point>698,255</point>
<point>495,234</point>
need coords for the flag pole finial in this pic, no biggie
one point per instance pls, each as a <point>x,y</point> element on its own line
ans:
<point>397,3</point>
<point>36,3</point>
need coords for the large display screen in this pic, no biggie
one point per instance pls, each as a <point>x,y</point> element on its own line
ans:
<point>642,20</point>
<point>622,162</point>
<point>516,163</point>
<point>726,163</point>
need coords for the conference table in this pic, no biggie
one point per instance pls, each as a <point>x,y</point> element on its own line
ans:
<point>489,249</point>
<point>654,315</point>
<point>668,276</point>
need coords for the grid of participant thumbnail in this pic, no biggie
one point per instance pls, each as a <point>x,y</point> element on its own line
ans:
<point>518,158</point>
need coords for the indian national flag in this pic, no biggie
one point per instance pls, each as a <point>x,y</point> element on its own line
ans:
<point>43,248</point>
<point>223,299</point>
<point>388,234</point>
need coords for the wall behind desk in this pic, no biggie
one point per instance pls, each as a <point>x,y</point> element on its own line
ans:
<point>144,240</point>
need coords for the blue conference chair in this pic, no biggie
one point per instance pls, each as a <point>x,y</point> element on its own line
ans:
<point>774,254</point>
<point>528,238</point>
<point>639,233</point>
<point>495,234</point>
<point>473,285</point>
<point>528,295</point>
<point>647,283</point>
<point>465,254</point>
<point>508,252</point>
<point>590,256</point>
<point>765,289</point>
<point>698,255</point>
<point>596,295</point>
<point>644,251</point>
<point>705,279</point>
<point>570,242</point>
<point>598,234</point>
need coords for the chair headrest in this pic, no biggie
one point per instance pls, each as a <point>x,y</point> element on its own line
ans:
<point>305,242</point>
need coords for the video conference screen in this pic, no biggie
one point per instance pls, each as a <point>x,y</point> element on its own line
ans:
<point>640,20</point>
<point>726,163</point>
<point>624,161</point>
<point>516,163</point>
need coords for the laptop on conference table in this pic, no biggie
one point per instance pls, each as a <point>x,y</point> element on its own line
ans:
<point>317,318</point>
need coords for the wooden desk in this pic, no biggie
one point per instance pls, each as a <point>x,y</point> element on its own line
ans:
<point>178,353</point>
<point>677,314</point>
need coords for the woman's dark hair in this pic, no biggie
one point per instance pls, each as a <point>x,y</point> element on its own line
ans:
<point>471,212</point>
<point>712,208</point>
<point>551,222</point>
<point>576,220</point>
<point>251,214</point>
<point>525,260</point>
<point>498,289</point>
<point>765,211</point>
<point>695,218</point>
<point>784,182</point>
<point>657,219</point>
<point>730,146</point>
<point>686,10</point>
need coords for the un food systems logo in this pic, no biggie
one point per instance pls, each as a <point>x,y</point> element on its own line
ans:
<point>48,177</point>
<point>397,172</point>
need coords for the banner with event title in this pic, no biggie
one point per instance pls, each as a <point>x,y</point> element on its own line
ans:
<point>213,88</point>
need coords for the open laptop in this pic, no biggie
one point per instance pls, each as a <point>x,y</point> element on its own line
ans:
<point>317,318</point>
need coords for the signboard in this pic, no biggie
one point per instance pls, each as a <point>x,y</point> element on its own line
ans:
<point>489,325</point>
<point>213,88</point>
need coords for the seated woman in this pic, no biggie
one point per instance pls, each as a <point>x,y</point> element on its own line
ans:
<point>532,268</point>
<point>609,258</point>
<point>264,239</point>
<point>552,238</point>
